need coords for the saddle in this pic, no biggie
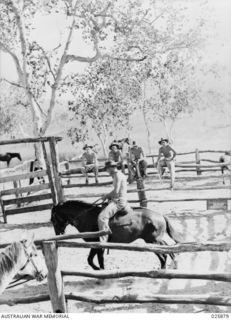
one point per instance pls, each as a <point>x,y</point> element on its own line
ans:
<point>122,217</point>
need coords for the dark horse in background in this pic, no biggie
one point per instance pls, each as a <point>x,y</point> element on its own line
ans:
<point>8,156</point>
<point>224,159</point>
<point>138,223</point>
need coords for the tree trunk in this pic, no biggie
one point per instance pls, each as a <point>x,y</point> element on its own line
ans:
<point>144,111</point>
<point>103,144</point>
<point>168,130</point>
<point>39,154</point>
<point>147,129</point>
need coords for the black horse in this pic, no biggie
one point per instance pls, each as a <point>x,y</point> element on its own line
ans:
<point>139,223</point>
<point>223,159</point>
<point>8,156</point>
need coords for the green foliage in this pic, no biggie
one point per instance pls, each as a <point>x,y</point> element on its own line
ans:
<point>6,121</point>
<point>103,98</point>
<point>129,40</point>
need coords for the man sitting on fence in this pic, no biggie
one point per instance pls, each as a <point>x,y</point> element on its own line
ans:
<point>117,197</point>
<point>137,160</point>
<point>89,163</point>
<point>166,158</point>
<point>115,155</point>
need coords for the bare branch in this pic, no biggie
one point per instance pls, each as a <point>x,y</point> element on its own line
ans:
<point>59,74</point>
<point>22,87</point>
<point>13,83</point>
<point>158,17</point>
<point>48,61</point>
<point>56,48</point>
<point>4,48</point>
<point>129,59</point>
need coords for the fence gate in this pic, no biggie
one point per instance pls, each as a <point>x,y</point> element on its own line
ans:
<point>16,195</point>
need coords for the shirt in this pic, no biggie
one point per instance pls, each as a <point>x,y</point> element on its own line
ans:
<point>167,152</point>
<point>119,193</point>
<point>89,158</point>
<point>115,155</point>
<point>136,153</point>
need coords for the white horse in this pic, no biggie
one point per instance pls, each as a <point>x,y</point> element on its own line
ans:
<point>20,259</point>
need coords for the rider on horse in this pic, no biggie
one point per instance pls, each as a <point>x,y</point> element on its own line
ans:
<point>117,197</point>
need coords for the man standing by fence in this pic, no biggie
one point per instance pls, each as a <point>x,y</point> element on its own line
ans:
<point>166,159</point>
<point>89,163</point>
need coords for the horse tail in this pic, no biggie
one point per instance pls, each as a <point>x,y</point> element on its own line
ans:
<point>175,235</point>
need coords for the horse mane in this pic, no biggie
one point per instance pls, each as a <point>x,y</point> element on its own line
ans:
<point>9,257</point>
<point>83,203</point>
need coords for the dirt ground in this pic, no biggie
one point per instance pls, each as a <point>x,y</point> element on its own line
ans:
<point>191,218</point>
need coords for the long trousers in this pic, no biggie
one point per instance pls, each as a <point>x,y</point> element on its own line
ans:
<point>106,214</point>
<point>171,166</point>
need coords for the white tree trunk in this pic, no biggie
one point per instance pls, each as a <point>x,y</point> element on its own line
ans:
<point>145,116</point>
<point>103,144</point>
<point>169,129</point>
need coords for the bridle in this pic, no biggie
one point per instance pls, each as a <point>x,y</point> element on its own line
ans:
<point>29,260</point>
<point>38,274</point>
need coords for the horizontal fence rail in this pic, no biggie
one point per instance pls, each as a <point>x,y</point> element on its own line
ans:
<point>160,298</point>
<point>38,187</point>
<point>82,235</point>
<point>183,199</point>
<point>27,199</point>
<point>153,274</point>
<point>22,176</point>
<point>178,248</point>
<point>28,140</point>
<point>39,207</point>
<point>25,300</point>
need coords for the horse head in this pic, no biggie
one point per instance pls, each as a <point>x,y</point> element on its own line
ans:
<point>58,220</point>
<point>32,263</point>
<point>19,157</point>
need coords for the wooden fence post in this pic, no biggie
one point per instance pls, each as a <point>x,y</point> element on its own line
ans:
<point>15,183</point>
<point>54,161</point>
<point>49,173</point>
<point>153,162</point>
<point>3,209</point>
<point>197,156</point>
<point>141,193</point>
<point>67,167</point>
<point>54,277</point>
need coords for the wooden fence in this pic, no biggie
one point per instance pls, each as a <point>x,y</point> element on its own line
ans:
<point>197,165</point>
<point>57,289</point>
<point>54,187</point>
<point>56,285</point>
<point>20,194</point>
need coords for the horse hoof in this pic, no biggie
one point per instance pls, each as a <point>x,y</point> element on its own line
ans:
<point>94,267</point>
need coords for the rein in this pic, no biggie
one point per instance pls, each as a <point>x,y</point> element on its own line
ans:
<point>16,282</point>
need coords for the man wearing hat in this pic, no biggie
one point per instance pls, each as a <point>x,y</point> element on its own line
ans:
<point>89,162</point>
<point>166,158</point>
<point>115,155</point>
<point>117,197</point>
